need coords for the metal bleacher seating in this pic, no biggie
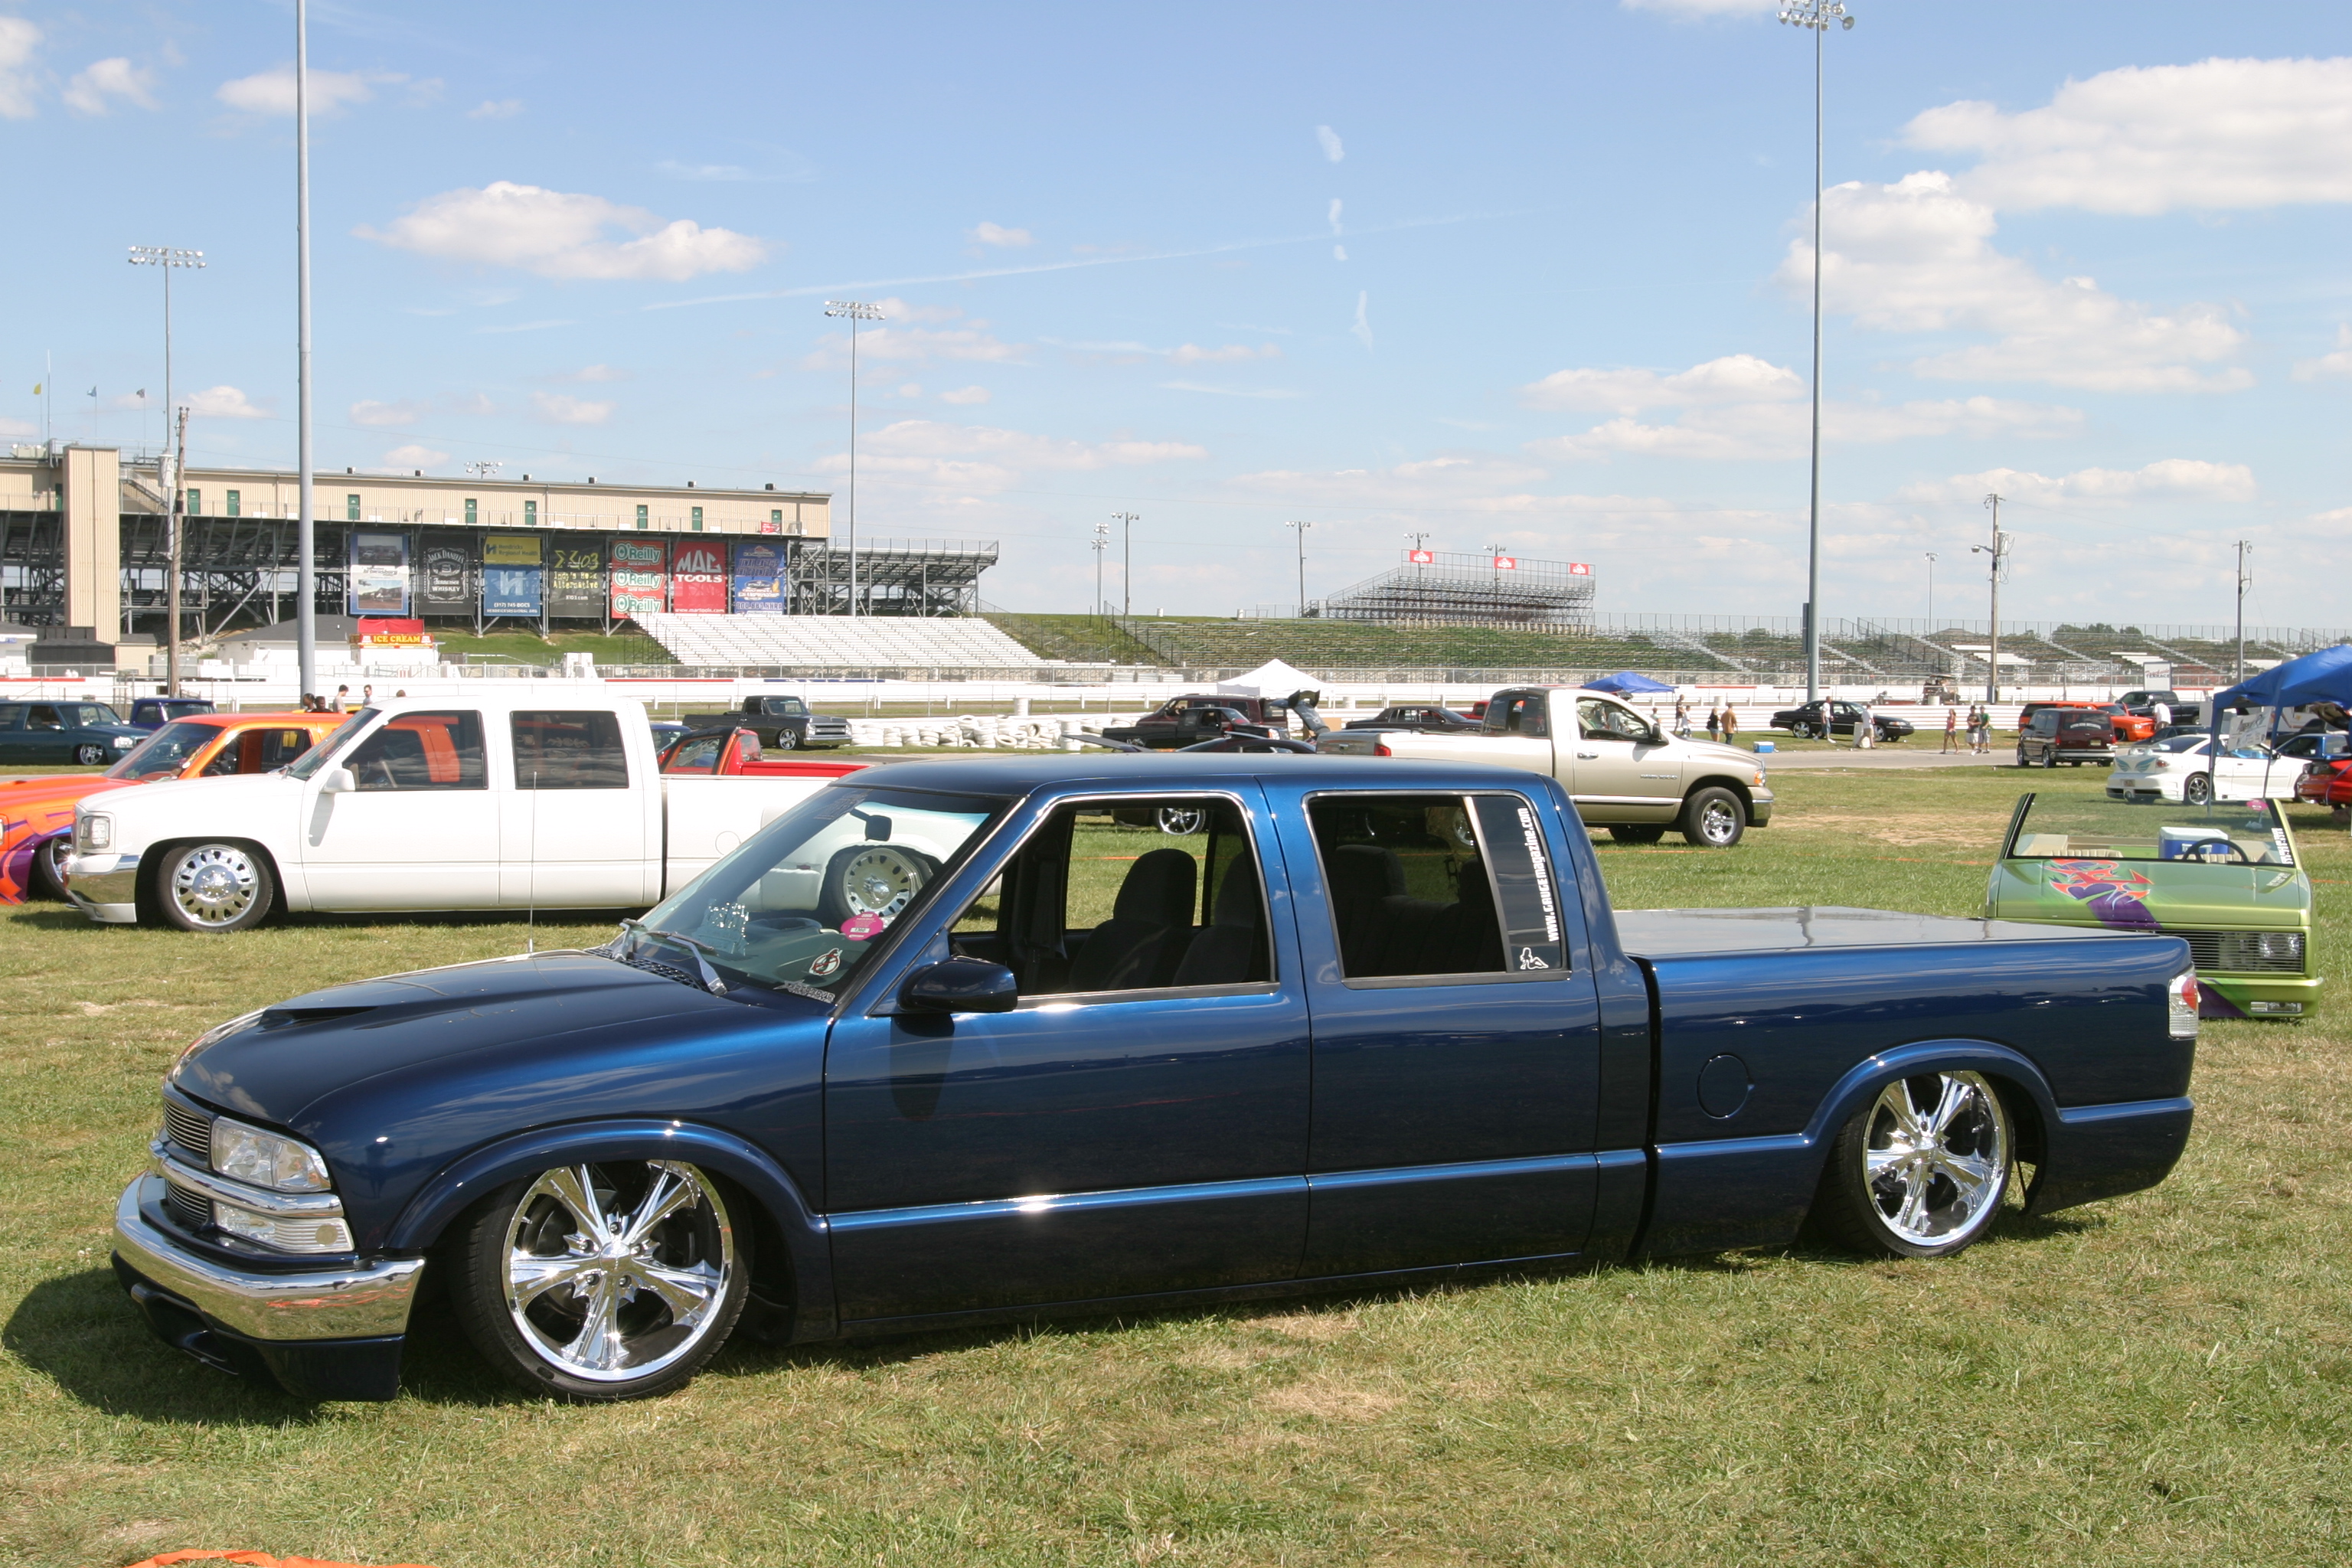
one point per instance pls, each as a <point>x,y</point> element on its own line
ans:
<point>835,642</point>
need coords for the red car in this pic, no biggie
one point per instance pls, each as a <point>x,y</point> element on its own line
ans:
<point>2328,783</point>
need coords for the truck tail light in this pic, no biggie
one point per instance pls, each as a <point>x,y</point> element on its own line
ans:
<point>1380,749</point>
<point>2182,999</point>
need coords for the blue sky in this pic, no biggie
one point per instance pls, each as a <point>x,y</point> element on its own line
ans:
<point>1526,276</point>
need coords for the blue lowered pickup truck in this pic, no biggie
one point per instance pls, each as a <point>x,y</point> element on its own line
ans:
<point>959,1040</point>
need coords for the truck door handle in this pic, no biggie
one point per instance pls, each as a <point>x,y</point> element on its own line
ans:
<point>1586,757</point>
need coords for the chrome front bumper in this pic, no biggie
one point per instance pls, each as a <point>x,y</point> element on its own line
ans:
<point>370,1301</point>
<point>104,887</point>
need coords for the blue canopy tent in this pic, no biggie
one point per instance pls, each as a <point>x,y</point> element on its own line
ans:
<point>1626,683</point>
<point>2322,677</point>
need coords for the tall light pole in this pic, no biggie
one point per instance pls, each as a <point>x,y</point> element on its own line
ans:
<point>2244,579</point>
<point>1819,16</point>
<point>1127,522</point>
<point>167,260</point>
<point>1302,528</point>
<point>1100,542</point>
<point>306,565</point>
<point>171,589</point>
<point>1999,551</point>
<point>856,310</point>
<point>1931,592</point>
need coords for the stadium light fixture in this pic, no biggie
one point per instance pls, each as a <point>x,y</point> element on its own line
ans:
<point>1817,16</point>
<point>1100,542</point>
<point>855,310</point>
<point>167,260</point>
<point>1127,522</point>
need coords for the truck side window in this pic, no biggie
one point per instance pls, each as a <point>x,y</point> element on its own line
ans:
<point>563,750</point>
<point>1409,890</point>
<point>1601,721</point>
<point>422,751</point>
<point>43,718</point>
<point>1524,714</point>
<point>1138,894</point>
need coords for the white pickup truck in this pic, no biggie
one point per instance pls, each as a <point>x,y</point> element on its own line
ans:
<point>493,800</point>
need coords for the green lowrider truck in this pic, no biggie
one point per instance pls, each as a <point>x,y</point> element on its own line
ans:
<point>2224,876</point>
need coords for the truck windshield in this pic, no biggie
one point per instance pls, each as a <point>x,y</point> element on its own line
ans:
<point>806,900</point>
<point>2071,827</point>
<point>311,760</point>
<point>166,751</point>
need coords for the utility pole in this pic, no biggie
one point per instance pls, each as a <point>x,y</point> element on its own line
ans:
<point>167,260</point>
<point>856,310</point>
<point>1127,522</point>
<point>1302,528</point>
<point>1100,542</point>
<point>1931,593</point>
<point>1999,551</point>
<point>2243,579</point>
<point>306,565</point>
<point>176,522</point>
<point>1818,15</point>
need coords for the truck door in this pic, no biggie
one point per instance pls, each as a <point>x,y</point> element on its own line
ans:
<point>1621,762</point>
<point>419,832</point>
<point>1456,1032</point>
<point>1138,1124</point>
<point>1519,725</point>
<point>572,833</point>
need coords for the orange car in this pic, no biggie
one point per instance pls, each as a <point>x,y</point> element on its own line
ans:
<point>2127,726</point>
<point>37,813</point>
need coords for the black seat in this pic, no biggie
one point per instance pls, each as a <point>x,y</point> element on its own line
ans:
<point>1232,950</point>
<point>1468,937</point>
<point>1364,877</point>
<point>1142,942</point>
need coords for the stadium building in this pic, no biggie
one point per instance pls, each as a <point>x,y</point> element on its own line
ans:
<point>85,551</point>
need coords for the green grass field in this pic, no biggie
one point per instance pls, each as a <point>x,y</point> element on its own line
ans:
<point>2165,1379</point>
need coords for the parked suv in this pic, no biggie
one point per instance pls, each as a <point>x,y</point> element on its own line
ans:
<point>2069,735</point>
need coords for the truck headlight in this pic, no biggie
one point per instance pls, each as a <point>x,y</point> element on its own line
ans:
<point>96,832</point>
<point>303,1232</point>
<point>127,741</point>
<point>270,1160</point>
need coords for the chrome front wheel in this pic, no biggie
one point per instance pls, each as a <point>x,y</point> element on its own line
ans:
<point>214,887</point>
<point>1921,1172</point>
<point>603,1281</point>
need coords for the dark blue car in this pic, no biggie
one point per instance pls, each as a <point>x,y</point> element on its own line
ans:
<point>962,1040</point>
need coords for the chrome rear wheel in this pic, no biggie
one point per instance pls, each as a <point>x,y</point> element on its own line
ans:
<point>1922,1171</point>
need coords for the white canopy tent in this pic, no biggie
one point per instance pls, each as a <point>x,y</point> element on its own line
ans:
<point>1272,678</point>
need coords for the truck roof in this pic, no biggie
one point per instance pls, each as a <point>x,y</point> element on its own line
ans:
<point>1020,772</point>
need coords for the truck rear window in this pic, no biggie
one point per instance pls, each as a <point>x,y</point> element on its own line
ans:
<point>1439,886</point>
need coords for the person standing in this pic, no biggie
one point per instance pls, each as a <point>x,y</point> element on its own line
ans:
<point>1866,729</point>
<point>1951,727</point>
<point>2161,712</point>
<point>1713,723</point>
<point>1731,725</point>
<point>1682,716</point>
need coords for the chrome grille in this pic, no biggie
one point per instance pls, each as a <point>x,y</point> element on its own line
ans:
<point>185,1206</point>
<point>2245,951</point>
<point>191,1130</point>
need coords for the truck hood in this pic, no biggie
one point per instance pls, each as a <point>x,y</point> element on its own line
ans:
<point>1717,751</point>
<point>292,1054</point>
<point>194,801</point>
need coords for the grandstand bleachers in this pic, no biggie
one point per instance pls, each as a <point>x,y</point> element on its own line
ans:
<point>836,642</point>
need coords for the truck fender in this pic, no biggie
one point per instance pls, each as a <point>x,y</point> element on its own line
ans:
<point>1725,1193</point>
<point>473,1176</point>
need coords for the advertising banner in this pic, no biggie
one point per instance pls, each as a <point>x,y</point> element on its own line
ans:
<point>513,581</point>
<point>759,584</point>
<point>576,584</point>
<point>378,582</point>
<point>697,577</point>
<point>449,579</point>
<point>640,577</point>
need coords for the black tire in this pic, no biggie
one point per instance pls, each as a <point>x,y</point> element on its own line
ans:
<point>872,878</point>
<point>1713,817</point>
<point>1638,832</point>
<point>2050,759</point>
<point>2197,789</point>
<point>216,887</point>
<point>1883,1156</point>
<point>49,865</point>
<point>2023,760</point>
<point>90,756</point>
<point>660,1328</point>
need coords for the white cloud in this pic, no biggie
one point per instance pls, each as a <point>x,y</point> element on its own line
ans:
<point>2173,478</point>
<point>272,91</point>
<point>18,427</point>
<point>1272,392</point>
<point>914,345</point>
<point>223,403</point>
<point>18,85</point>
<point>894,308</point>
<point>559,235</point>
<point>965,395</point>
<point>2149,138</point>
<point>496,109</point>
<point>414,457</point>
<point>1328,140</point>
<point>369,412</point>
<point>1917,257</point>
<point>1362,329</point>
<point>90,88</point>
<point>558,408</point>
<point>992,234</point>
<point>597,373</point>
<point>2336,363</point>
<point>1734,378</point>
<point>980,458</point>
<point>911,389</point>
<point>1231,354</point>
